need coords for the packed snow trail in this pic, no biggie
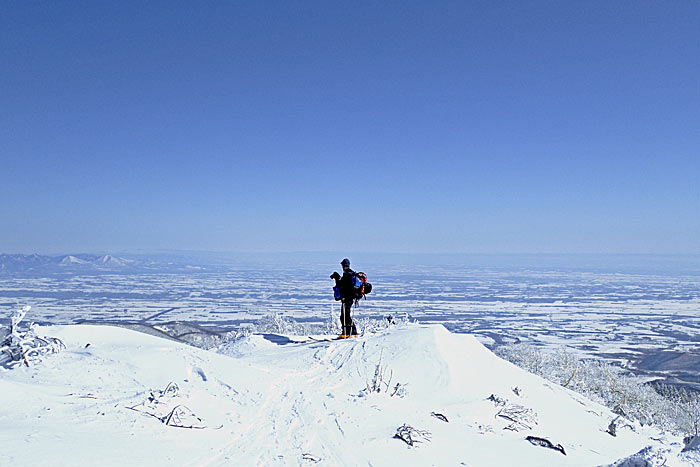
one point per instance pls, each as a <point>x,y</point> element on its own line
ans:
<point>276,402</point>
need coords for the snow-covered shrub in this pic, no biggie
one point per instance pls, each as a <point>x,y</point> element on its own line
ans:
<point>19,346</point>
<point>232,336</point>
<point>650,456</point>
<point>381,382</point>
<point>684,407</point>
<point>368,325</point>
<point>517,417</point>
<point>411,435</point>
<point>332,323</point>
<point>231,339</point>
<point>278,324</point>
<point>671,408</point>
<point>188,333</point>
<point>165,406</point>
<point>275,323</point>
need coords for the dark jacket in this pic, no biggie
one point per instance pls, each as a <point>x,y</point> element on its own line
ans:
<point>346,286</point>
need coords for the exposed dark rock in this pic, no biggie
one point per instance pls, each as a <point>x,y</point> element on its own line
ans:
<point>545,443</point>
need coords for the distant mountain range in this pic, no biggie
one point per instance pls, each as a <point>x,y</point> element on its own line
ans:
<point>133,263</point>
<point>82,263</point>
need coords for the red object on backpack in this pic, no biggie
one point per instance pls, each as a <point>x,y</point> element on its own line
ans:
<point>362,287</point>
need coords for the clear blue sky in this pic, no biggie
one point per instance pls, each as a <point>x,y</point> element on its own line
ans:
<point>467,126</point>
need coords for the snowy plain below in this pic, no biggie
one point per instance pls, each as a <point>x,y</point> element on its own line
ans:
<point>636,311</point>
<point>282,400</point>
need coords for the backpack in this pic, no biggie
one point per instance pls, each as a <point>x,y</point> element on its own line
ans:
<point>362,287</point>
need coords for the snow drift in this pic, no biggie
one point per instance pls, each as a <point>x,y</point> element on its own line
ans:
<point>414,395</point>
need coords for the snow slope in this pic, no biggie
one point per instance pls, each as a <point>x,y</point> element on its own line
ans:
<point>269,400</point>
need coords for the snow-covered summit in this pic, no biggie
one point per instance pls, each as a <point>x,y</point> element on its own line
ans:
<point>72,260</point>
<point>109,260</point>
<point>283,400</point>
<point>82,263</point>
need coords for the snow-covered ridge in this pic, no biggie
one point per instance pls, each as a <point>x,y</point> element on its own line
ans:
<point>283,400</point>
<point>70,259</point>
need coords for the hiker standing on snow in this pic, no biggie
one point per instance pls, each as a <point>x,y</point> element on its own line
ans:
<point>346,286</point>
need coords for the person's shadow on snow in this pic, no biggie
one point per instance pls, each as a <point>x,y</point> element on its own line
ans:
<point>277,339</point>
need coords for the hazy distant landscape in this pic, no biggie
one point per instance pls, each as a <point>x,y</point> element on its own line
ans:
<point>641,312</point>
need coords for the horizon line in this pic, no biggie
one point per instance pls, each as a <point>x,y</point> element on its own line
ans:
<point>334,252</point>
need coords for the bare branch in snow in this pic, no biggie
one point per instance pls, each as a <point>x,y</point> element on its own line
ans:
<point>411,436</point>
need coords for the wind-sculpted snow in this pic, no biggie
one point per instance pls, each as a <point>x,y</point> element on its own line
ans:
<point>110,399</point>
<point>636,319</point>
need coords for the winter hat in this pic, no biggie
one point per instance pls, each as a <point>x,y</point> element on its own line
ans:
<point>345,262</point>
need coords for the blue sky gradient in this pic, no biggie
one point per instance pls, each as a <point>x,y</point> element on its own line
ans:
<point>484,127</point>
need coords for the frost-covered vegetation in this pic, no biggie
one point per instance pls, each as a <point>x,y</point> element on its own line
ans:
<point>668,407</point>
<point>317,400</point>
<point>276,323</point>
<point>23,345</point>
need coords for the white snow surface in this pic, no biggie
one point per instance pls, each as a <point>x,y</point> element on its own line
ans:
<point>68,260</point>
<point>268,400</point>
